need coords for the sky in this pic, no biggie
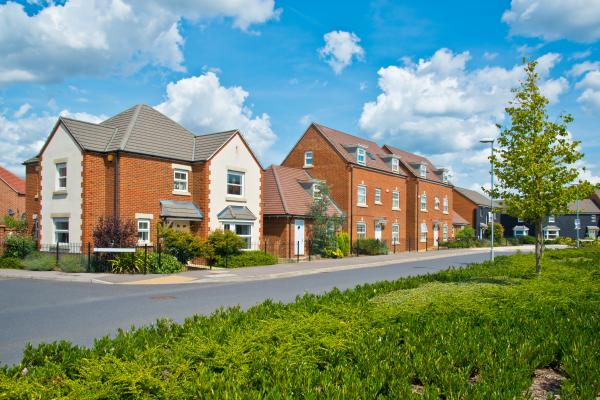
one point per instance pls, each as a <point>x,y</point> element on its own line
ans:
<point>431,78</point>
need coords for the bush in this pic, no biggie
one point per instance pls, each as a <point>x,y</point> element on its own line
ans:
<point>114,232</point>
<point>498,230</point>
<point>466,233</point>
<point>18,246</point>
<point>221,244</point>
<point>457,244</point>
<point>10,263</point>
<point>183,245</point>
<point>127,263</point>
<point>20,225</point>
<point>329,252</point>
<point>371,247</point>
<point>133,263</point>
<point>527,240</point>
<point>168,264</point>
<point>343,243</point>
<point>252,258</point>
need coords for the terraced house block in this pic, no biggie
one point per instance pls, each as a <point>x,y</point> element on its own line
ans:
<point>142,166</point>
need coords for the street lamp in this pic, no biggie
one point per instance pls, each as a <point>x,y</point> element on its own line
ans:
<point>491,142</point>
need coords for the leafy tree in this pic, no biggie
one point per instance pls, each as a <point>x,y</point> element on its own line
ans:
<point>114,232</point>
<point>325,225</point>
<point>535,161</point>
<point>466,233</point>
<point>498,230</point>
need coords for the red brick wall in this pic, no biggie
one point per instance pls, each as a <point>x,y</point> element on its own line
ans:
<point>464,207</point>
<point>32,193</point>
<point>9,199</point>
<point>279,236</point>
<point>200,189</point>
<point>98,192</point>
<point>432,191</point>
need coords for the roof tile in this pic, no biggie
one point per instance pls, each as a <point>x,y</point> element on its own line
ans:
<point>17,184</point>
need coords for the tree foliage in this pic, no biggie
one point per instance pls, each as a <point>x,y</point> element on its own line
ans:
<point>535,163</point>
<point>112,231</point>
<point>325,224</point>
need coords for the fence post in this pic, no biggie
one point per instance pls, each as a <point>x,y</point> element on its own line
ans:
<point>357,247</point>
<point>89,268</point>
<point>298,251</point>
<point>309,249</point>
<point>145,258</point>
<point>159,253</point>
<point>57,254</point>
<point>265,246</point>
<point>394,246</point>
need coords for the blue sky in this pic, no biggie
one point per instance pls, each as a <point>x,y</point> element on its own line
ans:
<point>430,78</point>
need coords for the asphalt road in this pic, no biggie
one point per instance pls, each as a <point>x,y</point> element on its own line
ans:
<point>44,311</point>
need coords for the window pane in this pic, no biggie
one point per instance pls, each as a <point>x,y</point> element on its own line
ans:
<point>62,225</point>
<point>242,229</point>
<point>235,190</point>
<point>234,178</point>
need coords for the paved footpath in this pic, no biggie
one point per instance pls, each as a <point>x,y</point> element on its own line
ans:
<point>248,274</point>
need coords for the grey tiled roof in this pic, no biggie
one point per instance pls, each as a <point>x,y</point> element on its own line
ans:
<point>185,210</point>
<point>241,213</point>
<point>143,130</point>
<point>586,206</point>
<point>474,196</point>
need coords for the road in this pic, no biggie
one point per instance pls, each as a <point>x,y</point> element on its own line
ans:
<point>38,311</point>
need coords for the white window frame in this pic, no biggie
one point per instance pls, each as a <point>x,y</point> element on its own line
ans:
<point>241,185</point>
<point>520,220</point>
<point>61,166</point>
<point>232,225</point>
<point>58,231</point>
<point>436,203</point>
<point>377,196</point>
<point>423,170</point>
<point>423,233</point>
<point>395,165</point>
<point>361,199</point>
<point>361,230</point>
<point>520,232</point>
<point>593,218</point>
<point>361,156</point>
<point>551,219</point>
<point>423,201</point>
<point>444,177</point>
<point>395,234</point>
<point>308,158</point>
<point>180,181</point>
<point>395,200</point>
<point>316,191</point>
<point>445,232</point>
<point>445,205</point>
<point>143,231</point>
<point>551,236</point>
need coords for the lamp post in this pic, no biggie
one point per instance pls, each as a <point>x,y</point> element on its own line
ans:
<point>577,223</point>
<point>491,142</point>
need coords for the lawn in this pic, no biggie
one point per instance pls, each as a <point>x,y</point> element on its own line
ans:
<point>481,332</point>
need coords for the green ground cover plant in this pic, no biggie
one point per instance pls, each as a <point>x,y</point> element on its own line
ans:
<point>478,332</point>
<point>252,258</point>
<point>41,261</point>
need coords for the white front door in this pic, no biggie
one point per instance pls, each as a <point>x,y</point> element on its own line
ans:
<point>435,234</point>
<point>299,237</point>
<point>378,231</point>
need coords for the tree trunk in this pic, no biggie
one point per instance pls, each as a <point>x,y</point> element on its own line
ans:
<point>538,247</point>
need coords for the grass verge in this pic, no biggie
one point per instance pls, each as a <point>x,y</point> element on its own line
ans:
<point>479,332</point>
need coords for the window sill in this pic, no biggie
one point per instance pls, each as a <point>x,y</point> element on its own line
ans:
<point>179,193</point>
<point>308,166</point>
<point>59,192</point>
<point>142,244</point>
<point>236,199</point>
<point>362,205</point>
<point>423,210</point>
<point>378,203</point>
<point>395,209</point>
<point>446,212</point>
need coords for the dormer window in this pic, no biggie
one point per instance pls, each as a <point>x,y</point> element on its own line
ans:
<point>445,176</point>
<point>308,159</point>
<point>423,171</point>
<point>361,156</point>
<point>395,165</point>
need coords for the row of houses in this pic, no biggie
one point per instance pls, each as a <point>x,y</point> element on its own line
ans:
<point>141,165</point>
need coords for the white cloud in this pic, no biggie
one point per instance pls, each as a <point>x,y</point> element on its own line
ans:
<point>305,120</point>
<point>577,20</point>
<point>340,49</point>
<point>202,104</point>
<point>363,86</point>
<point>490,56</point>
<point>22,110</point>
<point>589,84</point>
<point>107,36</point>
<point>581,68</point>
<point>441,108</point>
<point>581,54</point>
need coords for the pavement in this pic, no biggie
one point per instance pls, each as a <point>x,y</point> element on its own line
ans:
<point>229,275</point>
<point>50,307</point>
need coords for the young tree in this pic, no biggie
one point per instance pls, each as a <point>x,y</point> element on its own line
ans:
<point>324,225</point>
<point>535,161</point>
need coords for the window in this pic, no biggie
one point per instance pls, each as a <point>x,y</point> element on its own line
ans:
<point>395,200</point>
<point>308,158</point>
<point>61,176</point>
<point>520,220</point>
<point>423,232</point>
<point>551,219</point>
<point>593,217</point>
<point>243,230</point>
<point>445,177</point>
<point>423,202</point>
<point>61,230</point>
<point>445,204</point>
<point>445,232</point>
<point>143,231</point>
<point>550,233</point>
<point>316,191</point>
<point>362,195</point>
<point>436,203</point>
<point>395,234</point>
<point>361,230</point>
<point>423,170</point>
<point>395,165</point>
<point>361,156</point>
<point>180,180</point>
<point>520,231</point>
<point>235,183</point>
<point>378,196</point>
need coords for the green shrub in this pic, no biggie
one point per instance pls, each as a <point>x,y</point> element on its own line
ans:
<point>183,245</point>
<point>498,231</point>
<point>18,246</point>
<point>127,263</point>
<point>343,243</point>
<point>252,258</point>
<point>371,247</point>
<point>221,244</point>
<point>10,263</point>
<point>18,224</point>
<point>169,264</point>
<point>527,239</point>
<point>457,244</point>
<point>329,252</point>
<point>39,261</point>
<point>466,233</point>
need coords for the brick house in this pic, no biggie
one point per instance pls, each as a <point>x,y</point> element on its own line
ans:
<point>365,181</point>
<point>288,195</point>
<point>12,194</point>
<point>140,165</point>
<point>474,208</point>
<point>428,198</point>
